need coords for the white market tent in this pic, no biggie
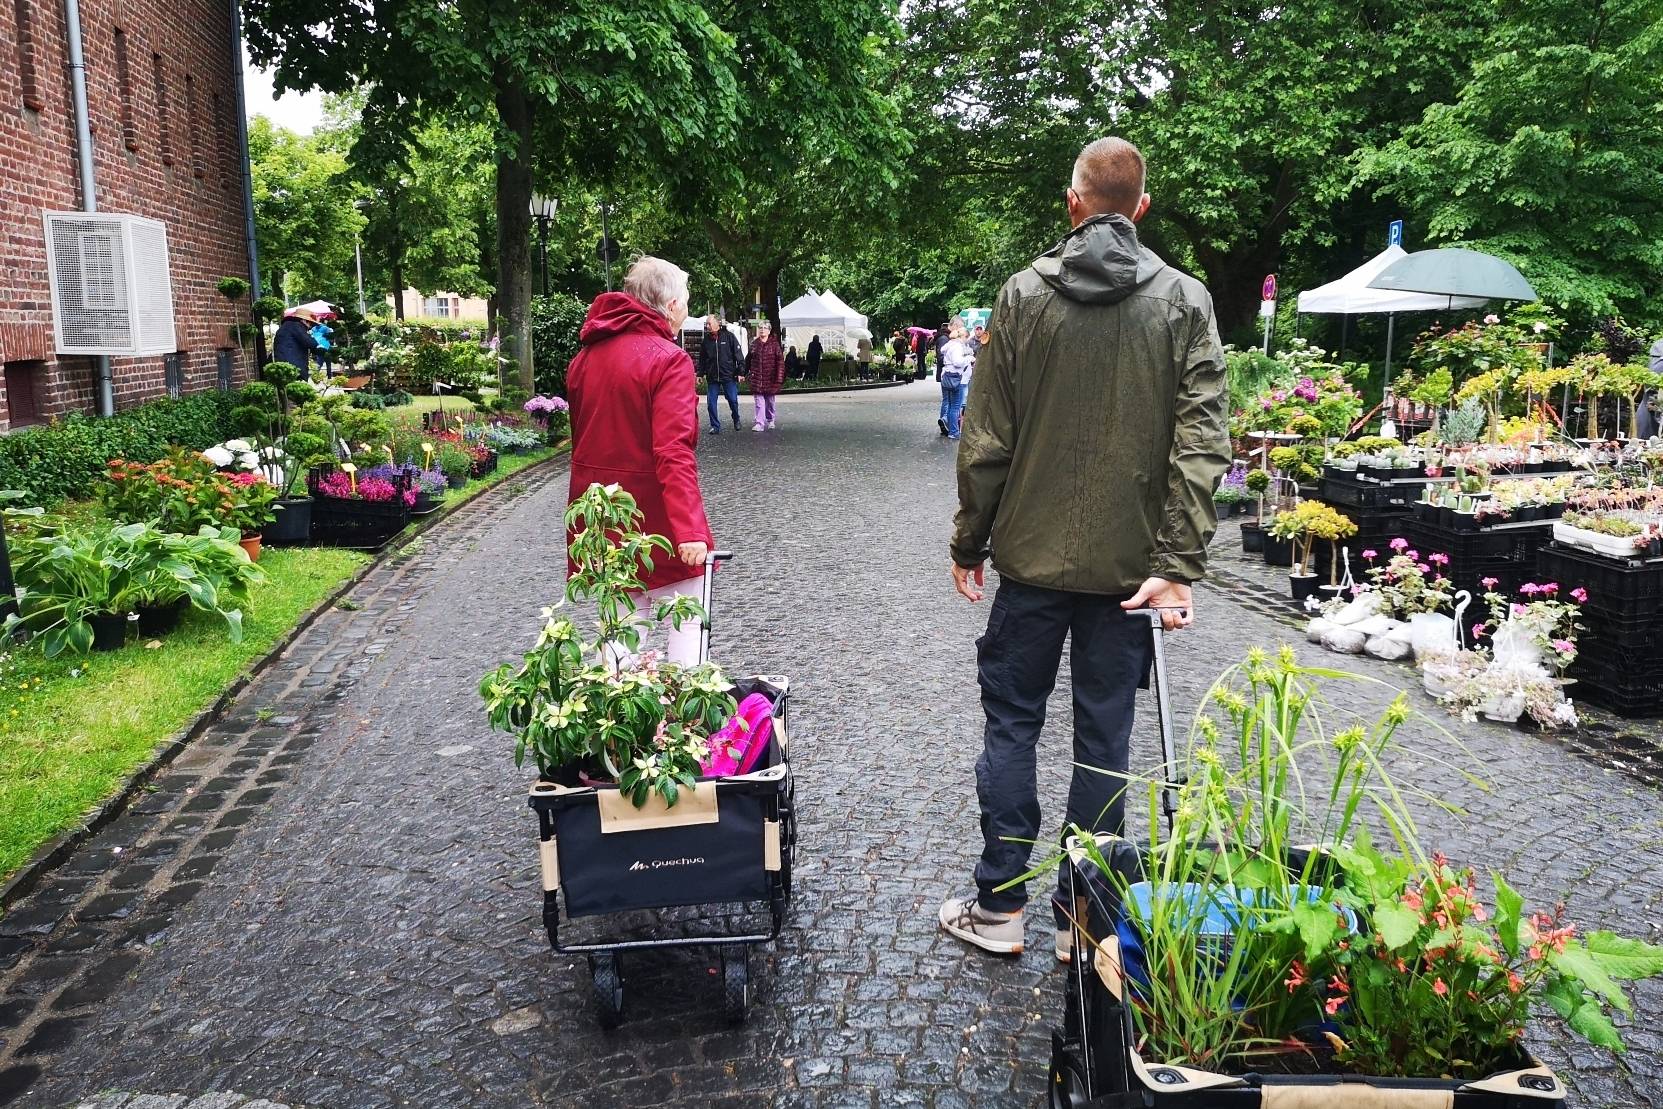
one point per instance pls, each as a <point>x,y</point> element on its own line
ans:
<point>839,326</point>
<point>1351,296</point>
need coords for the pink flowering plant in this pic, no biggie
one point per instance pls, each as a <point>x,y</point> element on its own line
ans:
<point>378,490</point>
<point>597,705</point>
<point>1407,582</point>
<point>1441,984</point>
<point>1546,612</point>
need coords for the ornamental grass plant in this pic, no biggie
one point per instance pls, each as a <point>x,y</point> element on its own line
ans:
<point>1349,947</point>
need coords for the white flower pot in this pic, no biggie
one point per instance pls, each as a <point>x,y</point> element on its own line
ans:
<point>1514,648</point>
<point>1430,633</point>
<point>1612,546</point>
<point>1505,708</point>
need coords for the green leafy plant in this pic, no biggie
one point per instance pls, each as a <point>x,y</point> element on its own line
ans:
<point>1249,800</point>
<point>1443,985</point>
<point>67,575</point>
<point>180,493</point>
<point>593,704</point>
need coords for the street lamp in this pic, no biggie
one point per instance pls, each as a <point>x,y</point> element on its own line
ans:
<point>544,208</point>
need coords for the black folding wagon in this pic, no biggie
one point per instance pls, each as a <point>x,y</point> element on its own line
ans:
<point>725,845</point>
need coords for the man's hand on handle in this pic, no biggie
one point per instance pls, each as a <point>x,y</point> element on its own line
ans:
<point>968,580</point>
<point>1171,597</point>
<point>694,554</point>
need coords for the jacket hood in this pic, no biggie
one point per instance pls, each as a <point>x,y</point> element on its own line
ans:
<point>1099,262</point>
<point>617,313</point>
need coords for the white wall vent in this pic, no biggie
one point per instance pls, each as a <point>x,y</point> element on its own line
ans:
<point>112,291</point>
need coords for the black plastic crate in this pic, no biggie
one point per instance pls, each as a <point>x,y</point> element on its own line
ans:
<point>359,524</point>
<point>1351,493</point>
<point>1627,586</point>
<point>1624,695</point>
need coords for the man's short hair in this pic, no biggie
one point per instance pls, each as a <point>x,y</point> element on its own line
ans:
<point>713,320</point>
<point>1109,176</point>
<point>656,282</point>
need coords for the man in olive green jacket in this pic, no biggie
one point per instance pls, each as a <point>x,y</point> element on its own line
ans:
<point>1096,437</point>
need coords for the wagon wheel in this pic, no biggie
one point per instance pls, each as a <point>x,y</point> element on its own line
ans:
<point>608,990</point>
<point>736,983</point>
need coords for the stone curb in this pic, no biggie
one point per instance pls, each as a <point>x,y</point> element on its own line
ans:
<point>59,848</point>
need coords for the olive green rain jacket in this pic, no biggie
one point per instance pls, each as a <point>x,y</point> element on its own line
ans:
<point>1096,431</point>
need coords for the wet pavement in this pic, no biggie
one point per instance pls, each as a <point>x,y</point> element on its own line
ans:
<point>332,899</point>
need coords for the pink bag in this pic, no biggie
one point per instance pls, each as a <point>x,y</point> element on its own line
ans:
<point>739,745</point>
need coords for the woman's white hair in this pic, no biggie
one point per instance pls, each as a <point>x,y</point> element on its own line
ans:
<point>656,282</point>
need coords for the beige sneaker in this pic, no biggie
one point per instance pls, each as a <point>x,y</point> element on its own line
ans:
<point>1000,933</point>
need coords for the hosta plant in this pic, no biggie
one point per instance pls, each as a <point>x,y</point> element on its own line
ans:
<point>593,704</point>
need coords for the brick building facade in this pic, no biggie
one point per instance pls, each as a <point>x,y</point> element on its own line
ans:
<point>166,140</point>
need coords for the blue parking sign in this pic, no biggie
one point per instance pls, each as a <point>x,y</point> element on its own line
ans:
<point>1394,235</point>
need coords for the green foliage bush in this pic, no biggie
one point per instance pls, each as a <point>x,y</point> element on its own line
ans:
<point>373,402</point>
<point>556,321</point>
<point>300,392</point>
<point>66,459</point>
<point>260,394</point>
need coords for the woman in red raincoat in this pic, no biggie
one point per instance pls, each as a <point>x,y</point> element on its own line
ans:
<point>634,422</point>
<point>765,369</point>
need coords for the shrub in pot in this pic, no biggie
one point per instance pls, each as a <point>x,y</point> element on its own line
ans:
<point>591,706</point>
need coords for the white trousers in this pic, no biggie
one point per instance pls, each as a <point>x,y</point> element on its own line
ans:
<point>680,645</point>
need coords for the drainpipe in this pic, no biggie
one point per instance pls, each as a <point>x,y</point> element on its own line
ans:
<point>254,290</point>
<point>89,187</point>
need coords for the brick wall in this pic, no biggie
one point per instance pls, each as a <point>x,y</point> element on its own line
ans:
<point>164,137</point>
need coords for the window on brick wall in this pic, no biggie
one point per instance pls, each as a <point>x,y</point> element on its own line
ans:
<point>164,126</point>
<point>28,76</point>
<point>227,369</point>
<point>173,374</point>
<point>124,85</point>
<point>25,393</point>
<point>192,125</point>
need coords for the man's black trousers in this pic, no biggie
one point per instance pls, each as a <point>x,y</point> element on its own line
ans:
<point>1017,662</point>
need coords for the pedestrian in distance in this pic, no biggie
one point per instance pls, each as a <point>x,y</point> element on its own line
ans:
<point>632,426</point>
<point>814,353</point>
<point>765,369</point>
<point>324,335</point>
<point>294,342</point>
<point>1095,439</point>
<point>793,363</point>
<point>956,365</point>
<point>898,347</point>
<point>920,350</point>
<point>864,356</point>
<point>720,362</point>
<point>978,339</point>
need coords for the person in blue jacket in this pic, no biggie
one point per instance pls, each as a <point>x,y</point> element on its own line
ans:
<point>294,343</point>
<point>326,349</point>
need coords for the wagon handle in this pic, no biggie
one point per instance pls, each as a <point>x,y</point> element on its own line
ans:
<point>1163,712</point>
<point>710,562</point>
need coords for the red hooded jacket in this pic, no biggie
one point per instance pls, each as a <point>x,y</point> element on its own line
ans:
<point>635,422</point>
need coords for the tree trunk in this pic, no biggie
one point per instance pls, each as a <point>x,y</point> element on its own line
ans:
<point>398,281</point>
<point>769,283</point>
<point>514,230</point>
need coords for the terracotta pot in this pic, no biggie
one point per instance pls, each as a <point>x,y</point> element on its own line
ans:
<point>251,544</point>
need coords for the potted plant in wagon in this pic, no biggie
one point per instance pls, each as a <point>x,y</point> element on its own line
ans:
<point>641,803</point>
<point>1225,966</point>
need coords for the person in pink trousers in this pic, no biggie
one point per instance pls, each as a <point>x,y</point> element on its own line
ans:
<point>765,369</point>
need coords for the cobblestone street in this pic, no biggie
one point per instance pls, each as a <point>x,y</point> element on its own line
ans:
<point>332,899</point>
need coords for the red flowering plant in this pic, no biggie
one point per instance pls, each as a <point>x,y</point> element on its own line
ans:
<point>253,502</point>
<point>1440,985</point>
<point>178,493</point>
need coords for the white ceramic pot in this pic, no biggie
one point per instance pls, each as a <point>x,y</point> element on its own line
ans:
<point>1431,633</point>
<point>1504,709</point>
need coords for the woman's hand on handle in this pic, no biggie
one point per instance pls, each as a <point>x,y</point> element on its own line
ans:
<point>694,554</point>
